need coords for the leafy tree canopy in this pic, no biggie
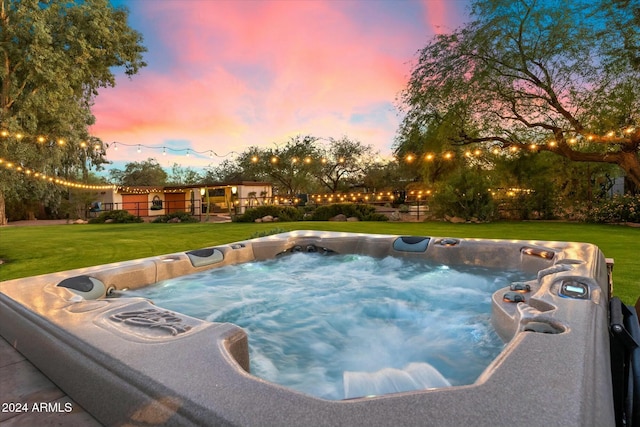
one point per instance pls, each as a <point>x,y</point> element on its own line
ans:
<point>55,56</point>
<point>307,164</point>
<point>183,176</point>
<point>533,75</point>
<point>148,172</point>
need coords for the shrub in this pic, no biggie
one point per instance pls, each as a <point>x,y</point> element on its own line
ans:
<point>362,212</point>
<point>118,217</point>
<point>181,215</point>
<point>375,216</point>
<point>464,195</point>
<point>283,213</point>
<point>617,209</point>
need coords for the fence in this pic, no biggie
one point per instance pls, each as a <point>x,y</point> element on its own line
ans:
<point>196,208</point>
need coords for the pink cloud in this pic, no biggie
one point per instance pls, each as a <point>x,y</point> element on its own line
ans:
<point>251,73</point>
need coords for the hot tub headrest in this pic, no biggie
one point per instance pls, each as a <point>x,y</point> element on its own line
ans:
<point>206,256</point>
<point>411,244</point>
<point>85,286</point>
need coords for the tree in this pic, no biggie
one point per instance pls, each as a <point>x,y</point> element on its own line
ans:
<point>343,160</point>
<point>227,171</point>
<point>288,167</point>
<point>56,55</point>
<point>534,75</point>
<point>183,176</point>
<point>386,176</point>
<point>148,172</point>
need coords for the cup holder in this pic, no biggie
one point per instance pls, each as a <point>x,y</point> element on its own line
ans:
<point>544,327</point>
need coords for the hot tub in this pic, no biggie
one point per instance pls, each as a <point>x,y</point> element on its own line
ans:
<point>126,360</point>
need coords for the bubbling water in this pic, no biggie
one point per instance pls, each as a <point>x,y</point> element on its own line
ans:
<point>346,326</point>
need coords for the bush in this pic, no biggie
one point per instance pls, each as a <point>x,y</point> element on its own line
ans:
<point>283,213</point>
<point>464,195</point>
<point>180,215</point>
<point>375,216</point>
<point>118,217</point>
<point>617,209</point>
<point>362,212</point>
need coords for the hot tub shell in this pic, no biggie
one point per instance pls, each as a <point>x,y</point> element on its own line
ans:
<point>178,370</point>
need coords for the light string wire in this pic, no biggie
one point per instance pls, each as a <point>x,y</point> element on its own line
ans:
<point>610,137</point>
<point>17,167</point>
<point>164,149</point>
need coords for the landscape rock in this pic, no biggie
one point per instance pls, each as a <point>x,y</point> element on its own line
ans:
<point>339,217</point>
<point>352,219</point>
<point>267,218</point>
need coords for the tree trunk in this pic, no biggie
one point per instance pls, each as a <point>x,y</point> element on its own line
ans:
<point>630,163</point>
<point>627,159</point>
<point>3,217</point>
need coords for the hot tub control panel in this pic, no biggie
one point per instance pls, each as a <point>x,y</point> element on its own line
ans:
<point>570,288</point>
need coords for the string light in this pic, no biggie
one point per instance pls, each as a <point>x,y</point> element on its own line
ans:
<point>608,137</point>
<point>165,150</point>
<point>54,180</point>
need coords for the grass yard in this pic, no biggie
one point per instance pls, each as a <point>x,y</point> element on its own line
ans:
<point>29,251</point>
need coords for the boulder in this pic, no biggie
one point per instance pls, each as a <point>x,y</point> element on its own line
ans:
<point>352,219</point>
<point>457,220</point>
<point>267,218</point>
<point>339,217</point>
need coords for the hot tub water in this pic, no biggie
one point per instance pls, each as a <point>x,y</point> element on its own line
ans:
<point>345,326</point>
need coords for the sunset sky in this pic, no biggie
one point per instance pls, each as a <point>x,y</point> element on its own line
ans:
<point>225,75</point>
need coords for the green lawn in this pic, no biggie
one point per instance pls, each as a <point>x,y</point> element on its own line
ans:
<point>29,251</point>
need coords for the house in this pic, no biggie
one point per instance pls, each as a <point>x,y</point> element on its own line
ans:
<point>199,200</point>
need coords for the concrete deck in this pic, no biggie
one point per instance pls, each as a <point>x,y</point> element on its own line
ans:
<point>29,398</point>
